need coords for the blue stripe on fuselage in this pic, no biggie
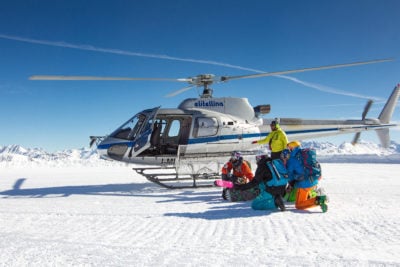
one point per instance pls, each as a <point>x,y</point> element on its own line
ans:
<point>243,136</point>
<point>219,138</point>
<point>237,136</point>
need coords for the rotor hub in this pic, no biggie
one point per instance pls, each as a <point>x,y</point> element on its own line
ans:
<point>203,80</point>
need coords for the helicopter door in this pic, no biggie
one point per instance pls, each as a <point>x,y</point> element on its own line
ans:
<point>170,137</point>
<point>143,140</point>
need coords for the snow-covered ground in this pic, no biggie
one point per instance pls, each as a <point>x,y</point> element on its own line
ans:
<point>96,213</point>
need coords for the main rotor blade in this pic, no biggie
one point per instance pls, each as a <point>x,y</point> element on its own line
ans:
<point>225,78</point>
<point>177,92</point>
<point>96,78</point>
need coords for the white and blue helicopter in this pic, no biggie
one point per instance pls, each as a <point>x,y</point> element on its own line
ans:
<point>194,139</point>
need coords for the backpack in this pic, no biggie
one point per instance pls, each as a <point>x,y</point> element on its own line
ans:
<point>279,173</point>
<point>312,168</point>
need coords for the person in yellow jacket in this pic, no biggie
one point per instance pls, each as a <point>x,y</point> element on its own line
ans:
<point>276,139</point>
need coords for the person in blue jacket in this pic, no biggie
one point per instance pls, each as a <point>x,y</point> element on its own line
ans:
<point>305,197</point>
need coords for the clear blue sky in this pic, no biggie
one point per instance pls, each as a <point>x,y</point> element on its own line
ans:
<point>178,39</point>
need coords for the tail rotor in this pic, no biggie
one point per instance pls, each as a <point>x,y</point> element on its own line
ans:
<point>364,114</point>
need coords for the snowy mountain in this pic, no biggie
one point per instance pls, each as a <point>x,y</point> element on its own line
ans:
<point>364,152</point>
<point>18,155</point>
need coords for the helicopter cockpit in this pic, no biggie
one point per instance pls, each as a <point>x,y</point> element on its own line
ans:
<point>150,132</point>
<point>131,128</point>
<point>131,136</point>
<point>137,126</point>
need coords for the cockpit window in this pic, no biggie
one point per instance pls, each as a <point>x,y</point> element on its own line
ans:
<point>140,120</point>
<point>131,128</point>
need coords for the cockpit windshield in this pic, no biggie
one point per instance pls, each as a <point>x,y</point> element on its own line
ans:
<point>140,123</point>
<point>131,128</point>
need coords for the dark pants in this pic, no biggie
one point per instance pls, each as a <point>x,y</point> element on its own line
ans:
<point>276,155</point>
<point>276,190</point>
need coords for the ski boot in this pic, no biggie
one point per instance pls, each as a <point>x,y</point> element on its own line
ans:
<point>279,203</point>
<point>224,194</point>
<point>321,192</point>
<point>321,201</point>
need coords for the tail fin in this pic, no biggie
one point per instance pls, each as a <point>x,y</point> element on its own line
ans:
<point>390,105</point>
<point>386,116</point>
<point>384,137</point>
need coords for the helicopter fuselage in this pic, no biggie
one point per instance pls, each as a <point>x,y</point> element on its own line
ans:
<point>214,127</point>
<point>206,125</point>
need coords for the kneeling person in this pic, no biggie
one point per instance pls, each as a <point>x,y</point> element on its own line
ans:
<point>305,182</point>
<point>271,178</point>
<point>239,172</point>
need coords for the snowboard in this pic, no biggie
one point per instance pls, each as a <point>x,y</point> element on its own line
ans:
<point>228,193</point>
<point>223,183</point>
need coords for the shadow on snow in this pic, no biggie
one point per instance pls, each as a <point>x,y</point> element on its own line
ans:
<point>66,191</point>
<point>219,209</point>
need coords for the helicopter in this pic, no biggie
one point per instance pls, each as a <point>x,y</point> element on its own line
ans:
<point>191,142</point>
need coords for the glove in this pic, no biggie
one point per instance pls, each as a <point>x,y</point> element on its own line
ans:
<point>254,142</point>
<point>240,180</point>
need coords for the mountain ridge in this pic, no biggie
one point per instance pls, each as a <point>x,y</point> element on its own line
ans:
<point>363,152</point>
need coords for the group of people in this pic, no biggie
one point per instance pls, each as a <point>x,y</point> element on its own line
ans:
<point>276,183</point>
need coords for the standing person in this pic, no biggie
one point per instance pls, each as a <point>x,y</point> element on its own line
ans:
<point>305,183</point>
<point>276,139</point>
<point>237,171</point>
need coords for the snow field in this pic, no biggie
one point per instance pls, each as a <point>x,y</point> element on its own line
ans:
<point>111,216</point>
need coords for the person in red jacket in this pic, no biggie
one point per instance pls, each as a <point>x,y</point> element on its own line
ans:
<point>236,170</point>
<point>241,172</point>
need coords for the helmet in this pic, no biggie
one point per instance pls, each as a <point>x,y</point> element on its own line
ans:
<point>235,156</point>
<point>293,144</point>
<point>236,159</point>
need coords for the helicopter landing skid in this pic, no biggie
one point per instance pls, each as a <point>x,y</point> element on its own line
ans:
<point>173,180</point>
